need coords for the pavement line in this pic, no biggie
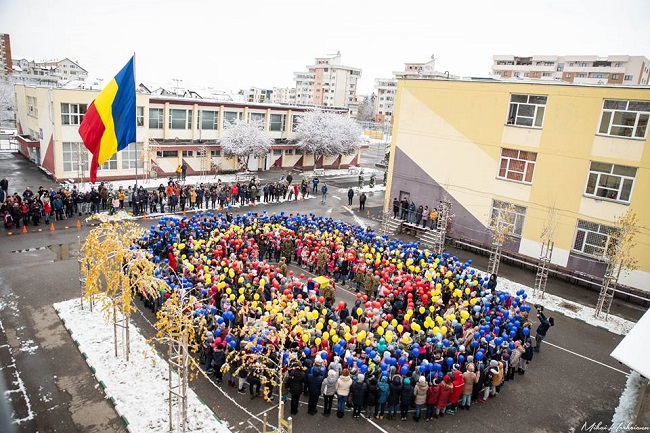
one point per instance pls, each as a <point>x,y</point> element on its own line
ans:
<point>375,425</point>
<point>587,358</point>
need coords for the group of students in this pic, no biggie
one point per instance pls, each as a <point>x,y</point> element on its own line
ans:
<point>413,214</point>
<point>429,334</point>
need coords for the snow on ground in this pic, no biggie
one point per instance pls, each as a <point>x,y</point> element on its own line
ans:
<point>144,404</point>
<point>625,415</point>
<point>614,324</point>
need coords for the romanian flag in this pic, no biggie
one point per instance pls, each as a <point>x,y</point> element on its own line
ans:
<point>109,124</point>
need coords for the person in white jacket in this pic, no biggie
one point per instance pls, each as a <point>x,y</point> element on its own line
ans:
<point>343,385</point>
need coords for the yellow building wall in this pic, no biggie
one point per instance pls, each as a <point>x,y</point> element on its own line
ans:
<point>454,130</point>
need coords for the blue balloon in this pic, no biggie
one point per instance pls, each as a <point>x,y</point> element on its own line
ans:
<point>479,356</point>
<point>450,361</point>
<point>526,331</point>
<point>404,370</point>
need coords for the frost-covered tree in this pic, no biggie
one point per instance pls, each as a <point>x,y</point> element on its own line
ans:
<point>244,140</point>
<point>327,134</point>
<point>7,109</point>
<point>366,109</point>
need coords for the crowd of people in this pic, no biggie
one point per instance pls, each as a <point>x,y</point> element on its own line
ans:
<point>414,214</point>
<point>427,334</point>
<point>57,204</point>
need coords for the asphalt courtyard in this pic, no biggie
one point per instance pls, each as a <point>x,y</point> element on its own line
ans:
<point>572,381</point>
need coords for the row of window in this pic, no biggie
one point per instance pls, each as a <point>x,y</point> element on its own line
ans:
<point>75,158</point>
<point>605,180</point>
<point>619,118</point>
<point>589,238</point>
<point>72,114</point>
<point>213,153</point>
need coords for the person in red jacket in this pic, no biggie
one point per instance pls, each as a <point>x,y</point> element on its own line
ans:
<point>432,399</point>
<point>459,384</point>
<point>446,388</point>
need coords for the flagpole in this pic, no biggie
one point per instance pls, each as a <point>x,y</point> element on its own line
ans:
<point>136,125</point>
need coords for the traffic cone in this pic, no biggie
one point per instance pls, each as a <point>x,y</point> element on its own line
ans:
<point>144,216</point>
<point>52,227</point>
<point>9,233</point>
<point>24,228</point>
<point>78,224</point>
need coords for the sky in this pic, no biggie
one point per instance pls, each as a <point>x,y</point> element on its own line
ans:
<point>231,45</point>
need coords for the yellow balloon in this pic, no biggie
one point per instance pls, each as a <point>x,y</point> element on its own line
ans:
<point>317,341</point>
<point>229,290</point>
<point>279,317</point>
<point>389,337</point>
<point>256,296</point>
<point>305,338</point>
<point>359,311</point>
<point>335,338</point>
<point>380,331</point>
<point>326,335</point>
<point>443,330</point>
<point>400,328</point>
<point>421,310</point>
<point>384,323</point>
<point>393,322</point>
<point>368,342</point>
<point>347,336</point>
<point>319,326</point>
<point>416,327</point>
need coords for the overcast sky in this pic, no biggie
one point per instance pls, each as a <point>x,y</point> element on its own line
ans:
<point>240,43</point>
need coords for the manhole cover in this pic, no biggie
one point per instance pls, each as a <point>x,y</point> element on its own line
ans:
<point>571,307</point>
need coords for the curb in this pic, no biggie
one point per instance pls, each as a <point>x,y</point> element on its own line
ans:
<point>110,399</point>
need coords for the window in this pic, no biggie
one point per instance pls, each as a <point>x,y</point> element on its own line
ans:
<point>628,78</point>
<point>139,117</point>
<point>231,116</point>
<point>295,120</point>
<point>593,238</point>
<point>32,106</point>
<point>110,164</point>
<point>261,117</point>
<point>167,154</point>
<point>615,76</point>
<point>215,153</point>
<point>71,114</point>
<point>288,151</point>
<point>277,122</point>
<point>131,157</point>
<point>208,120</point>
<point>517,165</point>
<point>277,151</point>
<point>155,118</point>
<point>72,154</point>
<point>547,74</point>
<point>625,118</point>
<point>514,218</point>
<point>188,154</point>
<point>581,75</point>
<point>180,119</point>
<point>610,181</point>
<point>527,110</point>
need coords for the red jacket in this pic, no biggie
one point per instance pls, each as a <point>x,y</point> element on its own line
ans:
<point>432,394</point>
<point>445,393</point>
<point>459,384</point>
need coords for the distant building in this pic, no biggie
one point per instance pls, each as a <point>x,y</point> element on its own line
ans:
<point>48,73</point>
<point>386,87</point>
<point>610,70</point>
<point>5,57</point>
<point>327,83</point>
<point>284,95</point>
<point>255,94</point>
<point>170,130</point>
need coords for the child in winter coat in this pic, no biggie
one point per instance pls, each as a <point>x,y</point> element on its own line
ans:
<point>343,385</point>
<point>328,389</point>
<point>446,388</point>
<point>382,397</point>
<point>420,394</point>
<point>433,392</point>
<point>470,378</point>
<point>459,384</point>
<point>359,390</point>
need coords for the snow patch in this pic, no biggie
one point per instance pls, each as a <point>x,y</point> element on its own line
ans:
<point>130,390</point>
<point>625,415</point>
<point>28,346</point>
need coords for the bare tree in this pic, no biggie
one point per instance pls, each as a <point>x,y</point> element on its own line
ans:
<point>7,105</point>
<point>548,234</point>
<point>502,225</point>
<point>366,109</point>
<point>619,258</point>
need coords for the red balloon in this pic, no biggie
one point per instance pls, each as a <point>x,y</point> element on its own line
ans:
<point>321,300</point>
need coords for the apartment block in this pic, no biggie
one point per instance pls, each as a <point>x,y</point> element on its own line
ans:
<point>386,88</point>
<point>283,95</point>
<point>6,66</point>
<point>610,70</point>
<point>582,150</point>
<point>48,73</point>
<point>327,83</point>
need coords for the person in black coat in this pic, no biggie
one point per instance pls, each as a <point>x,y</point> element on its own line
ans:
<point>492,282</point>
<point>359,389</point>
<point>406,398</point>
<point>350,196</point>
<point>394,396</point>
<point>295,383</point>
<point>314,383</point>
<point>542,329</point>
<point>372,394</point>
